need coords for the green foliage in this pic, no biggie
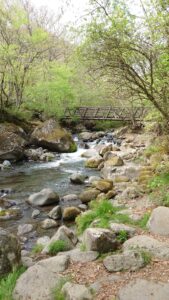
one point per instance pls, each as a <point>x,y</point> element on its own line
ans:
<point>152,149</point>
<point>8,283</point>
<point>159,180</point>
<point>106,125</point>
<point>143,221</point>
<point>57,292</point>
<point>122,236</point>
<point>102,212</point>
<point>147,257</point>
<point>57,246</point>
<point>73,147</point>
<point>37,249</point>
<point>83,247</point>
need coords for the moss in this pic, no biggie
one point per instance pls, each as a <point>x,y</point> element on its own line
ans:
<point>37,248</point>
<point>73,147</point>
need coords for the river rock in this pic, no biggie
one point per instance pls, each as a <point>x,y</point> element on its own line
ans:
<point>131,260</point>
<point>76,292</point>
<point>70,198</point>
<point>44,240</point>
<point>105,149</point>
<point>12,142</point>
<point>35,213</point>
<point>6,164</point>
<point>88,195</point>
<point>10,214</point>
<point>47,156</point>
<point>86,136</point>
<point>141,289</point>
<point>44,197</point>
<point>90,153</point>
<point>70,213</point>
<point>159,221</point>
<point>50,136</point>
<point>55,213</point>
<point>64,234</point>
<point>10,252</point>
<point>77,178</point>
<point>103,185</point>
<point>117,228</point>
<point>109,155</point>
<point>39,280</point>
<point>115,161</point>
<point>49,223</point>
<point>101,240</point>
<point>24,229</point>
<point>34,154</point>
<point>93,162</point>
<point>94,178</point>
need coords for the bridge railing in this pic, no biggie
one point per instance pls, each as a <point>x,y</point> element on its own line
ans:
<point>105,113</point>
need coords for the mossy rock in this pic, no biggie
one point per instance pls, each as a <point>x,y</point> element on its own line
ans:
<point>52,137</point>
<point>119,179</point>
<point>88,195</point>
<point>103,185</point>
<point>115,161</point>
<point>93,162</point>
<point>70,213</point>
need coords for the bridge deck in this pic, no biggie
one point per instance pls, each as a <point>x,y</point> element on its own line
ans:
<point>105,113</point>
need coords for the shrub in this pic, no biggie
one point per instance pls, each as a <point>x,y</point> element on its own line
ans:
<point>122,236</point>
<point>8,283</point>
<point>57,246</point>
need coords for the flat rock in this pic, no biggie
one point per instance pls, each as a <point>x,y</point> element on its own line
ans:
<point>131,260</point>
<point>159,221</point>
<point>141,289</point>
<point>39,280</point>
<point>44,197</point>
<point>117,228</point>
<point>76,292</point>
<point>24,229</point>
<point>82,256</point>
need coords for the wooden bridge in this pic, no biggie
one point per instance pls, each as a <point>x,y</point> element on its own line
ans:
<point>105,113</point>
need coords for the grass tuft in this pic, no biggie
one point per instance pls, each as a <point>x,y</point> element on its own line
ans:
<point>7,284</point>
<point>57,292</point>
<point>57,246</point>
<point>37,249</point>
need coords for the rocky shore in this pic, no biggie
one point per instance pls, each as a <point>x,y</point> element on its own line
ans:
<point>108,241</point>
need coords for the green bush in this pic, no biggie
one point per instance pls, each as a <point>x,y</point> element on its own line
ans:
<point>122,236</point>
<point>8,283</point>
<point>107,124</point>
<point>57,246</point>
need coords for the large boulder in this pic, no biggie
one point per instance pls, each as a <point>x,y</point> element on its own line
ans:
<point>100,240</point>
<point>159,221</point>
<point>12,142</point>
<point>141,289</point>
<point>10,252</point>
<point>44,197</point>
<point>88,195</point>
<point>64,234</point>
<point>131,260</point>
<point>50,136</point>
<point>38,282</point>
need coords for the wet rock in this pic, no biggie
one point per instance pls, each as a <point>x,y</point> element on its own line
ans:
<point>64,234</point>
<point>88,195</point>
<point>115,161</point>
<point>141,289</point>
<point>90,153</point>
<point>103,185</point>
<point>47,156</point>
<point>55,213</point>
<point>12,142</point>
<point>35,213</point>
<point>10,252</point>
<point>70,213</point>
<point>39,280</point>
<point>76,292</point>
<point>6,165</point>
<point>93,162</point>
<point>44,197</point>
<point>86,136</point>
<point>70,198</point>
<point>131,260</point>
<point>10,214</point>
<point>49,223</point>
<point>101,240</point>
<point>159,221</point>
<point>24,229</point>
<point>50,136</point>
<point>77,178</point>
